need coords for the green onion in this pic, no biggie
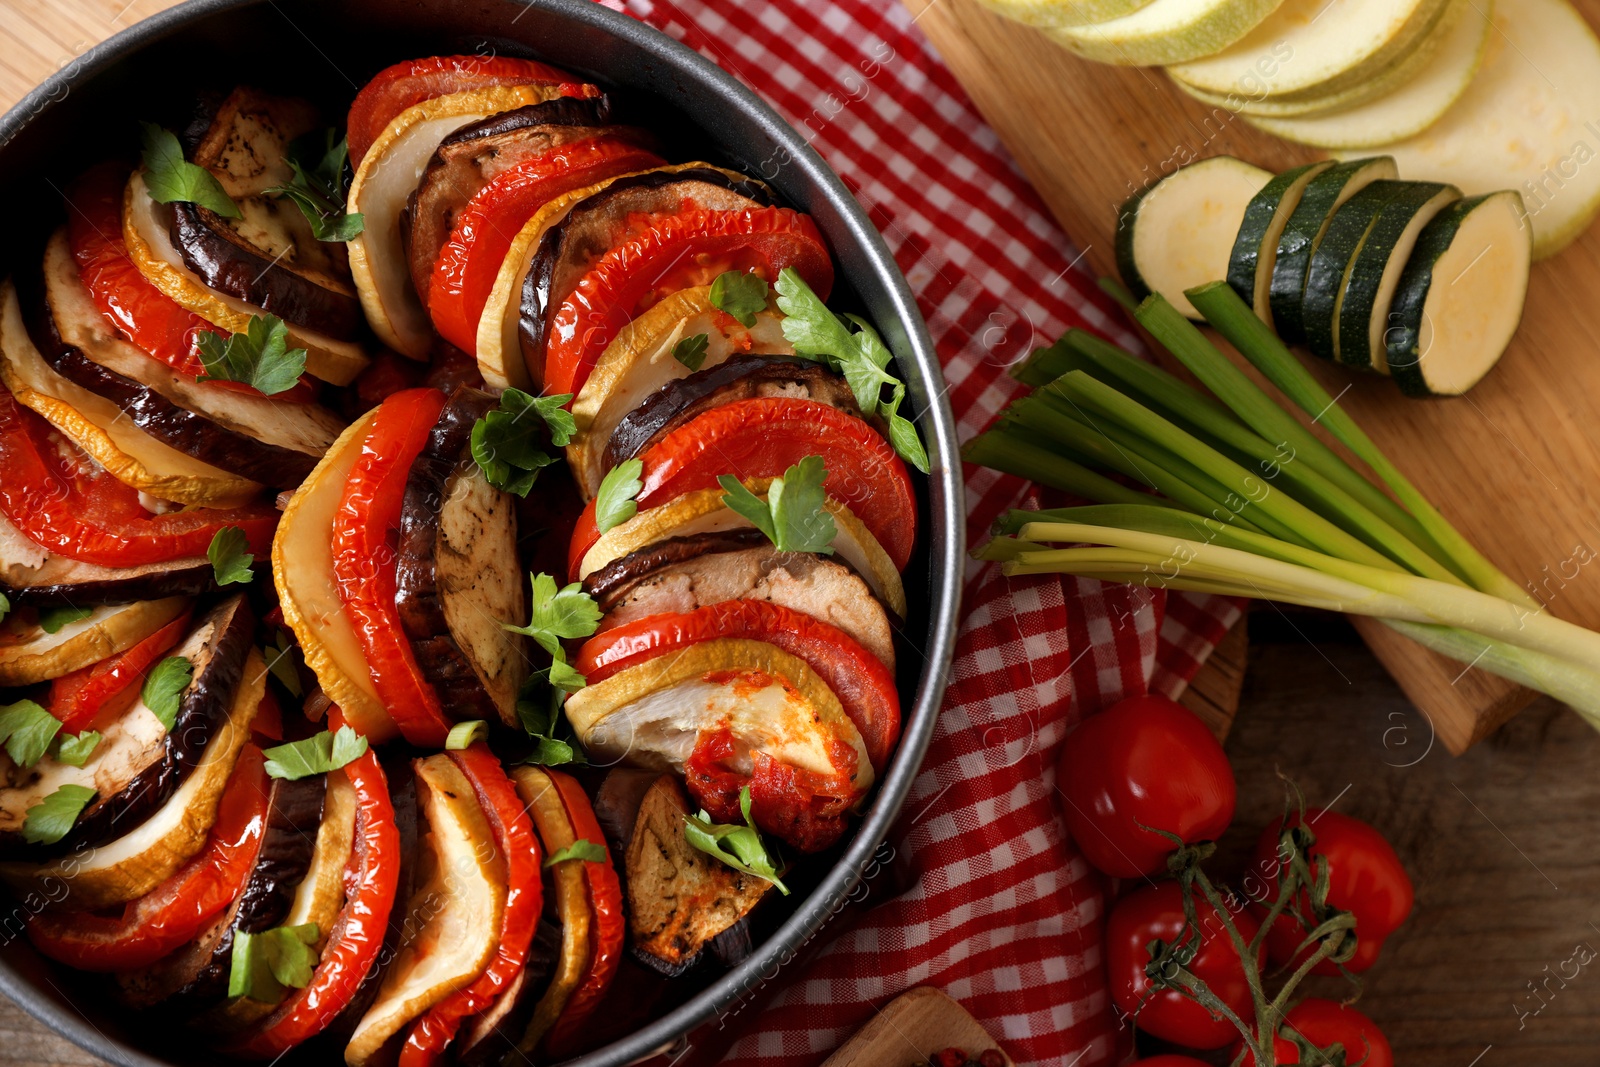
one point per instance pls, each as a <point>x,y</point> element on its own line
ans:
<point>1005,450</point>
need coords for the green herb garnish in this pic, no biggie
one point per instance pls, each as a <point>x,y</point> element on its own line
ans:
<point>691,350</point>
<point>739,847</point>
<point>581,849</point>
<point>54,817</point>
<point>164,685</point>
<point>75,749</point>
<point>51,620</point>
<point>172,179</point>
<point>741,295</point>
<point>27,730</point>
<point>317,754</point>
<point>508,444</point>
<point>617,500</point>
<point>264,964</point>
<point>260,358</point>
<point>793,516</point>
<point>230,560</point>
<point>318,188</point>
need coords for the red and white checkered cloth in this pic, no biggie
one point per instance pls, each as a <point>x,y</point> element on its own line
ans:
<point>1001,913</point>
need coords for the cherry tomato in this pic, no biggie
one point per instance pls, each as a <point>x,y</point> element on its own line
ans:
<point>63,502</point>
<point>364,532</point>
<point>1324,1023</point>
<point>394,89</point>
<point>1145,761</point>
<point>468,264</point>
<point>514,836</point>
<point>1365,878</point>
<point>102,691</point>
<point>761,438</point>
<point>861,682</point>
<point>676,252</point>
<point>175,912</point>
<point>1156,912</point>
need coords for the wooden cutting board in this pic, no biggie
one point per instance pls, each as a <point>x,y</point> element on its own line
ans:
<point>1515,465</point>
<point>911,1028</point>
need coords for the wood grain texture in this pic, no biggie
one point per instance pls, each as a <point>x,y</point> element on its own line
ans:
<point>1214,693</point>
<point>911,1028</point>
<point>1515,465</point>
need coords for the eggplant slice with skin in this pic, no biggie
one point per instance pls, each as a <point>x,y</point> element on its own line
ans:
<point>290,432</point>
<point>268,257</point>
<point>457,579</point>
<point>477,153</point>
<point>591,229</point>
<point>33,576</point>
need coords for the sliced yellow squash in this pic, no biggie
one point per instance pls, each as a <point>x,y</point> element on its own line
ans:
<point>29,655</point>
<point>1165,31</point>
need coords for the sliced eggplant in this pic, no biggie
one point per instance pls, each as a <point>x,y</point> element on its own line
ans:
<point>454,913</point>
<point>616,804</point>
<point>33,576</point>
<point>29,655</point>
<point>681,574</point>
<point>196,977</point>
<point>492,1035</point>
<point>680,900</point>
<point>136,862</point>
<point>476,154</point>
<point>139,764</point>
<point>268,257</point>
<point>591,229</point>
<point>457,577</point>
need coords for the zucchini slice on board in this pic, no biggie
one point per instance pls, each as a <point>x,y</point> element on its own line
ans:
<point>1166,31</point>
<point>1460,297</point>
<point>1315,47</point>
<point>1327,192</point>
<point>1410,108</point>
<point>1330,265</point>
<point>1179,232</point>
<point>1048,13</point>
<point>1370,283</point>
<point>1256,246</point>
<point>1530,121</point>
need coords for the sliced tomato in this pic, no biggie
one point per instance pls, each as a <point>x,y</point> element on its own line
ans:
<point>607,933</point>
<point>764,437</point>
<point>365,529</point>
<point>808,810</point>
<point>143,314</point>
<point>103,691</point>
<point>861,682</point>
<point>62,501</point>
<point>176,911</point>
<point>356,939</point>
<point>469,262</point>
<point>513,832</point>
<point>674,252</point>
<point>394,89</point>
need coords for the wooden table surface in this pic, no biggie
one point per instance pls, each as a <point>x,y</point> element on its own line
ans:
<point>1500,841</point>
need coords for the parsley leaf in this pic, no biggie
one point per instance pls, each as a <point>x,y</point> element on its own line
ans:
<point>53,817</point>
<point>280,661</point>
<point>793,515</point>
<point>75,749</point>
<point>861,356</point>
<point>230,563</point>
<point>581,849</point>
<point>539,711</point>
<point>739,847</point>
<point>5,606</point>
<point>318,189</point>
<point>317,754</point>
<point>263,964</point>
<point>557,614</point>
<point>260,358</point>
<point>691,350</point>
<point>51,620</point>
<point>465,734</point>
<point>508,444</point>
<point>741,295</point>
<point>170,178</point>
<point>27,730</point>
<point>616,501</point>
<point>164,685</point>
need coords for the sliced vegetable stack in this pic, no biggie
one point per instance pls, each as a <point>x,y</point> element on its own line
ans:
<point>351,804</point>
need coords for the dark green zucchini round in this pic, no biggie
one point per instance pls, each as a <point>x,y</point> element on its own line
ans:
<point>1256,247</point>
<point>1331,262</point>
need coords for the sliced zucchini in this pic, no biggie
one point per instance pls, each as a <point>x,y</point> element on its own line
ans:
<point>1256,247</point>
<point>1459,299</point>
<point>1331,263</point>
<point>1410,108</point>
<point>1370,282</point>
<point>1327,192</point>
<point>1165,31</point>
<point>1529,121</point>
<point>1047,13</point>
<point>1179,232</point>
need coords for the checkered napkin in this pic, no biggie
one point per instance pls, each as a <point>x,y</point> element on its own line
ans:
<point>998,909</point>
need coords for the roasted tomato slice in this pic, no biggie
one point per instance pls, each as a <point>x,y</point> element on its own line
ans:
<point>808,810</point>
<point>176,911</point>
<point>103,691</point>
<point>63,502</point>
<point>356,939</point>
<point>365,529</point>
<point>146,316</point>
<point>470,260</point>
<point>675,252</point>
<point>861,682</point>
<point>762,438</point>
<point>406,84</point>
<point>514,835</point>
<point>609,929</point>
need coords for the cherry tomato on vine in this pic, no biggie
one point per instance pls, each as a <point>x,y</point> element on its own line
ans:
<point>1365,878</point>
<point>1324,1023</point>
<point>1144,762</point>
<point>1156,913</point>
